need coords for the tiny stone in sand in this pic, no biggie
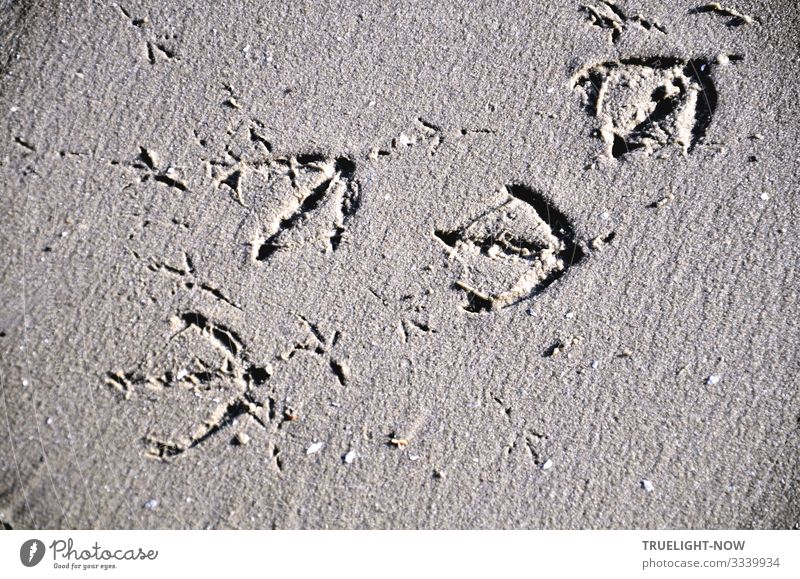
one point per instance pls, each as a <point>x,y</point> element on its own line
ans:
<point>315,448</point>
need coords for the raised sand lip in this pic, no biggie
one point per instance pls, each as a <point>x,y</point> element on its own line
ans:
<point>398,266</point>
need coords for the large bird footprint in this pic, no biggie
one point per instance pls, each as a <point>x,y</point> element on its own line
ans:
<point>511,251</point>
<point>650,103</point>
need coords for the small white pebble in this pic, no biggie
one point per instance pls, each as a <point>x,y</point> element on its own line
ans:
<point>550,90</point>
<point>605,215</point>
<point>713,379</point>
<point>413,457</point>
<point>595,364</point>
<point>764,196</point>
<point>14,109</point>
<point>569,315</point>
<point>242,439</point>
<point>151,504</point>
<point>25,382</point>
<point>547,464</point>
<point>182,373</point>
<point>315,447</point>
<point>49,420</point>
<point>647,485</point>
<point>350,456</point>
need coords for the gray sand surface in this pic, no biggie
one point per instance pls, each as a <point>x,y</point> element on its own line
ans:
<point>399,265</point>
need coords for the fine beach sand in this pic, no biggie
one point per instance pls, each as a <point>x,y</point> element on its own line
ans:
<point>373,265</point>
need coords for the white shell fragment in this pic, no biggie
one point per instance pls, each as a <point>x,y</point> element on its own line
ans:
<point>315,448</point>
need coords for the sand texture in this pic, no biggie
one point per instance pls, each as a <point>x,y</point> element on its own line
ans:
<point>399,265</point>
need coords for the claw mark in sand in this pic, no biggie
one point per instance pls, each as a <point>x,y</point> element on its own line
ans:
<point>321,346</point>
<point>651,103</point>
<point>159,50</point>
<point>736,18</point>
<point>607,15</point>
<point>25,144</point>
<point>147,162</point>
<point>186,274</point>
<point>137,22</point>
<point>163,47</point>
<point>221,418</point>
<point>512,251</point>
<point>535,444</point>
